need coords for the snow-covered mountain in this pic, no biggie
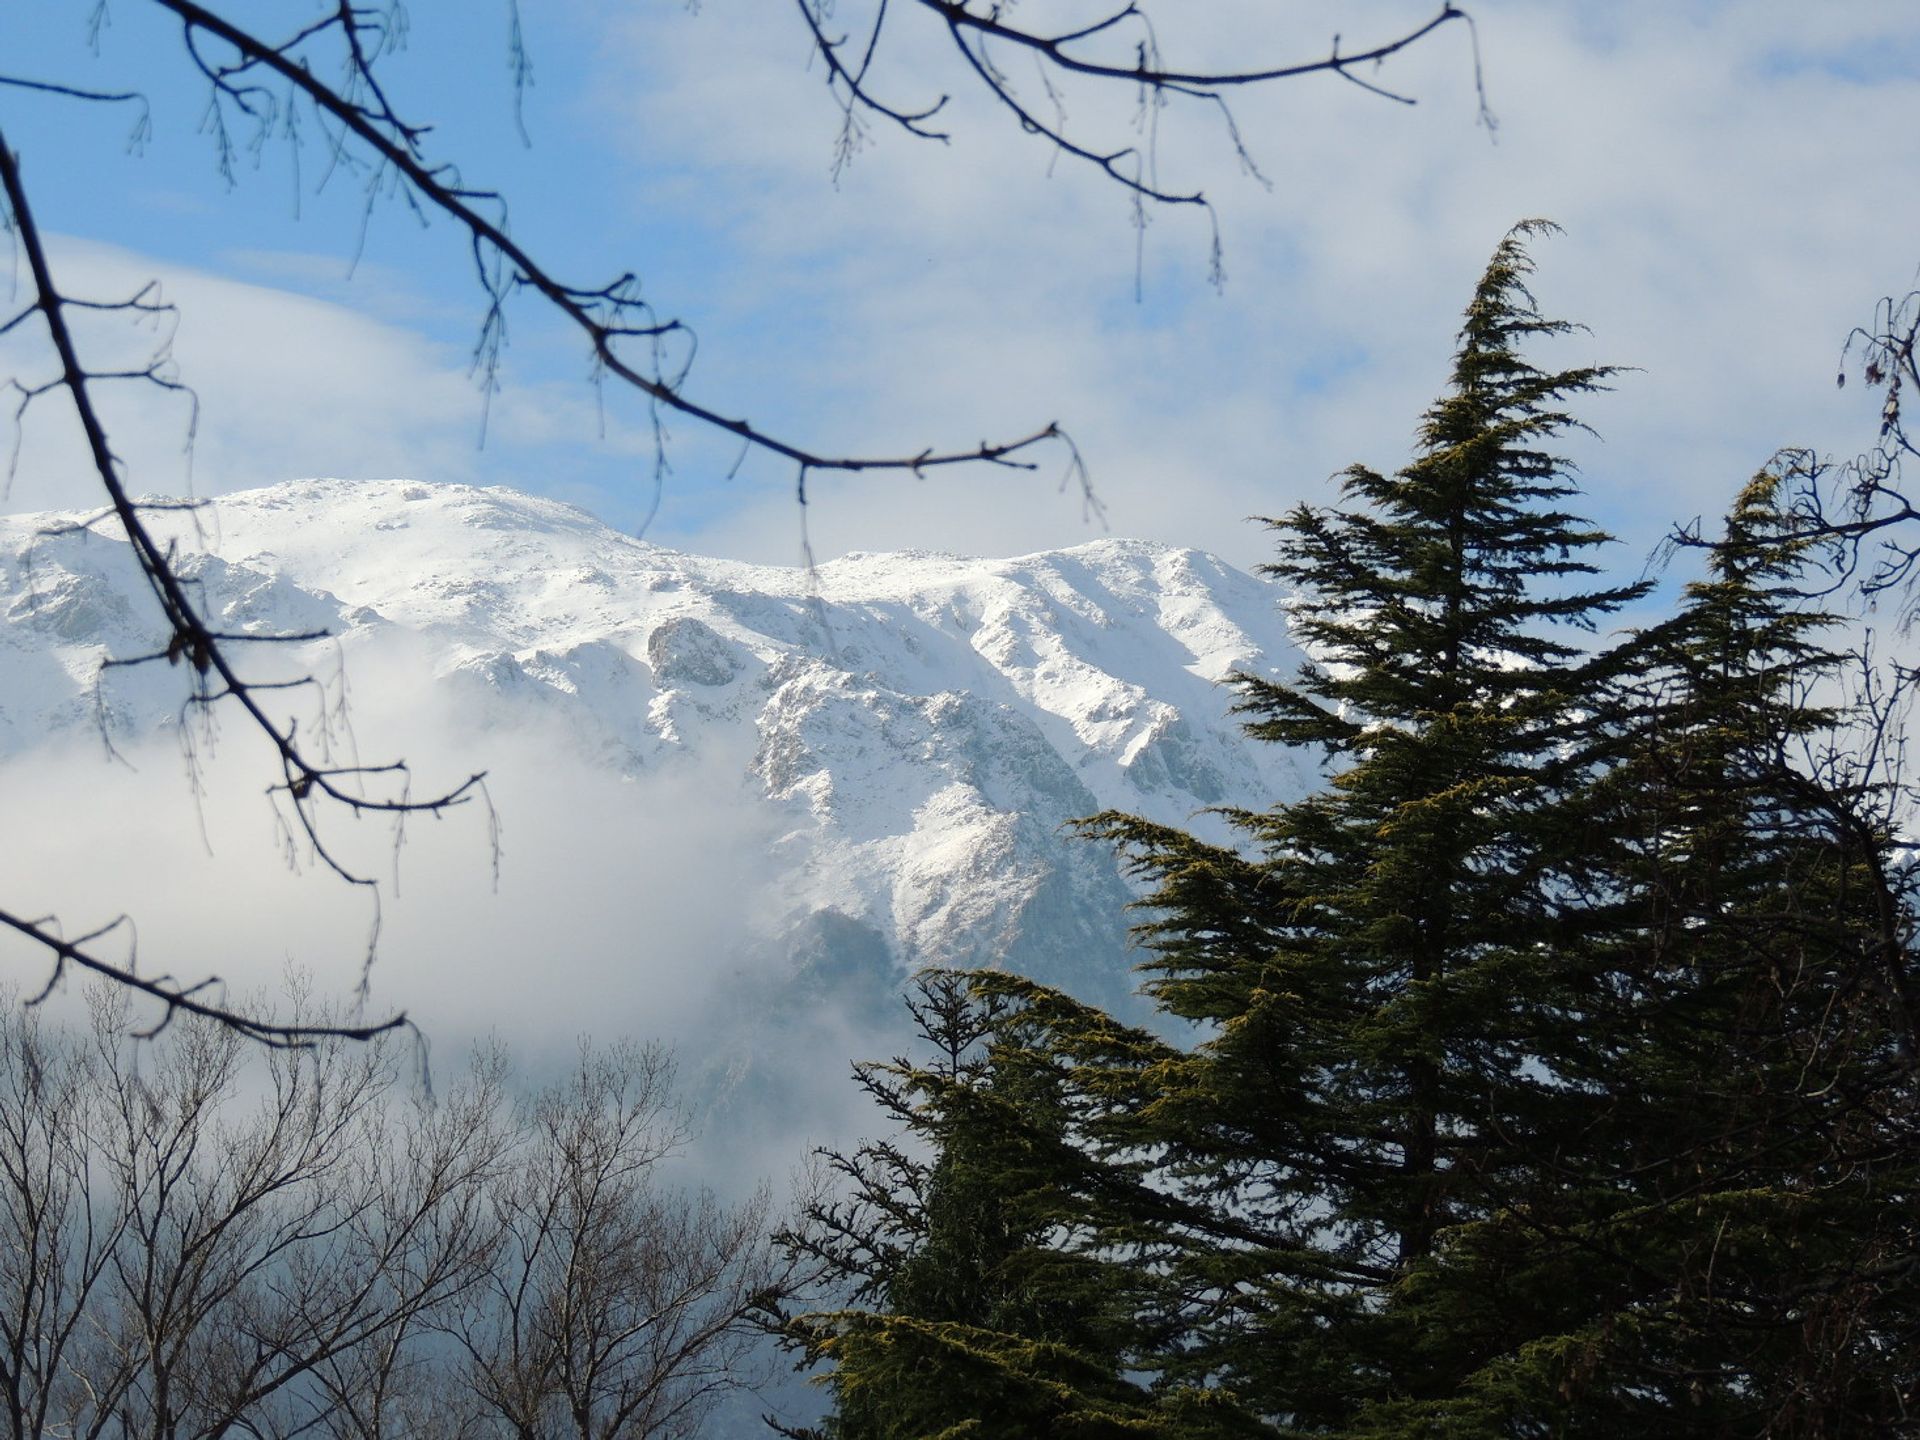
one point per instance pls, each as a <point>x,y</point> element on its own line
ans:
<point>913,728</point>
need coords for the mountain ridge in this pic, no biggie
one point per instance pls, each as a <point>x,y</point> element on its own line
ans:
<point>914,727</point>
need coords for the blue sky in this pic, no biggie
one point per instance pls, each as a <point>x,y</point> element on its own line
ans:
<point>1735,182</point>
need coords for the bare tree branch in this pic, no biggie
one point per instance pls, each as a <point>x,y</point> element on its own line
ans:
<point>1077,52</point>
<point>177,998</point>
<point>605,314</point>
<point>214,675</point>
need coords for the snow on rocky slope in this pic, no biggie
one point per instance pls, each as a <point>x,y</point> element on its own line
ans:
<point>916,728</point>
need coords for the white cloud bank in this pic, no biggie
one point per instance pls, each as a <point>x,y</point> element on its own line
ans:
<point>1725,174</point>
<point>620,908</point>
<point>1722,172</point>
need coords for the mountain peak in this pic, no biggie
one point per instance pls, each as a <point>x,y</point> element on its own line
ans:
<point>916,727</point>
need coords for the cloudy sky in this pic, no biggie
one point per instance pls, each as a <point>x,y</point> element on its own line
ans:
<point>1735,181</point>
<point>1736,184</point>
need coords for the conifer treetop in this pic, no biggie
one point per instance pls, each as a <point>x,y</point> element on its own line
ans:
<point>1436,586</point>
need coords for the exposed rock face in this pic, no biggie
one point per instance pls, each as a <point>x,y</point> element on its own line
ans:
<point>688,651</point>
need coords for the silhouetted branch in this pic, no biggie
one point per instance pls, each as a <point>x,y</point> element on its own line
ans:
<point>176,997</point>
<point>1121,46</point>
<point>212,673</point>
<point>1862,507</point>
<point>604,314</point>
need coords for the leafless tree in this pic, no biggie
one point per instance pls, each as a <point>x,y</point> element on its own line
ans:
<point>428,1234</point>
<point>322,75</point>
<point>612,1306</point>
<point>182,1257</point>
<point>1863,506</point>
<point>196,1240</point>
<point>60,1241</point>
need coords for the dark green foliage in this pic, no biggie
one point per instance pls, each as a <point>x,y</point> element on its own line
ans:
<point>1563,1046</point>
<point>1728,1169</point>
<point>990,1315</point>
<point>1555,1064</point>
<point>1357,963</point>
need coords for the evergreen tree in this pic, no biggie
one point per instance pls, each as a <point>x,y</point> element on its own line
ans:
<point>1356,965</point>
<point>1556,1064</point>
<point>1717,1231</point>
<point>987,1314</point>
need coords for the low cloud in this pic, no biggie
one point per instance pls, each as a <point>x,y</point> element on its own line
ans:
<point>622,908</point>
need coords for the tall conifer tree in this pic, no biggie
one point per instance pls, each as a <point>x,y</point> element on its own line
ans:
<point>1703,1238</point>
<point>1355,966</point>
<point>1556,1070</point>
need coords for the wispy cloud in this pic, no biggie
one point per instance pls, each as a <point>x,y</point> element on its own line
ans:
<point>286,385</point>
<point>1723,173</point>
<point>1723,185</point>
